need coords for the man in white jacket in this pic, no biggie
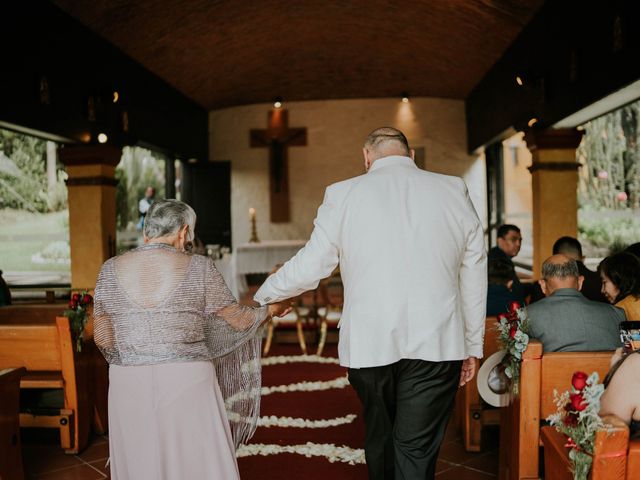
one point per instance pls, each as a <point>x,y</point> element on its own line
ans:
<point>413,264</point>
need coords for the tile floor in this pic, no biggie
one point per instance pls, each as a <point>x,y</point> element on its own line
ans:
<point>44,460</point>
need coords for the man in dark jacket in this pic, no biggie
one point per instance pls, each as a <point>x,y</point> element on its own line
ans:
<point>591,286</point>
<point>509,243</point>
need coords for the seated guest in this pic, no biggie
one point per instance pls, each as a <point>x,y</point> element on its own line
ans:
<point>621,396</point>
<point>634,248</point>
<point>500,292</point>
<point>565,321</point>
<point>620,275</point>
<point>509,243</point>
<point>591,286</point>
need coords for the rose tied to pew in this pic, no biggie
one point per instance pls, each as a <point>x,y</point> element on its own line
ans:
<point>577,418</point>
<point>513,328</point>
<point>78,315</point>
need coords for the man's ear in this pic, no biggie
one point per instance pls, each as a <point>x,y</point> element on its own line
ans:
<point>543,286</point>
<point>367,160</point>
<point>580,282</point>
<point>510,284</point>
<point>412,154</point>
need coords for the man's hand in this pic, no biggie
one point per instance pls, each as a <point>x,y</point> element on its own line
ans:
<point>279,309</point>
<point>468,370</point>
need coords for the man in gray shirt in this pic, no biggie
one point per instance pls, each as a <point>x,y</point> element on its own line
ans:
<point>565,321</point>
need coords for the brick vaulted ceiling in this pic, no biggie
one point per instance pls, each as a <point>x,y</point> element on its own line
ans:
<point>222,53</point>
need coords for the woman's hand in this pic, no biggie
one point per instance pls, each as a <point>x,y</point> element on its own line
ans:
<point>279,309</point>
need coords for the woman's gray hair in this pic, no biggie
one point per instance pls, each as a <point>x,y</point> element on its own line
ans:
<point>166,217</point>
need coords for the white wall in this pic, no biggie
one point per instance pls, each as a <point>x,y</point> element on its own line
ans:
<point>336,130</point>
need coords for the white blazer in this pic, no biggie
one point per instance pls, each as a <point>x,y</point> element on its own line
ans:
<point>413,264</point>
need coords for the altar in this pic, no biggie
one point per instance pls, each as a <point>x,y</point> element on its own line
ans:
<point>263,256</point>
<point>254,258</point>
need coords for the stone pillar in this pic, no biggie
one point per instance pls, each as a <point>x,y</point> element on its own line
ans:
<point>554,178</point>
<point>92,208</point>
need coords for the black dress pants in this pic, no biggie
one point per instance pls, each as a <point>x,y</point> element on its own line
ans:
<point>406,407</point>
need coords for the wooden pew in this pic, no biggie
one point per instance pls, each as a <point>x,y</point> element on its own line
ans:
<point>47,352</point>
<point>609,455</point>
<point>46,313</point>
<point>520,422</point>
<point>473,414</point>
<point>10,452</point>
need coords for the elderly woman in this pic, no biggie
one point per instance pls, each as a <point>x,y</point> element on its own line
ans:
<point>161,317</point>
<point>620,275</point>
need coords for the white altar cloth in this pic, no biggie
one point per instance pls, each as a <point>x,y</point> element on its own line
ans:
<point>262,257</point>
<point>227,268</point>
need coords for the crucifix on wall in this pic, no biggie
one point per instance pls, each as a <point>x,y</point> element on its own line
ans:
<point>277,138</point>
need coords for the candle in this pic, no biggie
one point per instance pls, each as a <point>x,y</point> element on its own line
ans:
<point>252,213</point>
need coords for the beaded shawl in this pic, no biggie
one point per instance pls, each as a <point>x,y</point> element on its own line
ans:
<point>157,305</point>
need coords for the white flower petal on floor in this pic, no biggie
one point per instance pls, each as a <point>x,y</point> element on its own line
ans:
<point>284,422</point>
<point>331,452</point>
<point>283,359</point>
<point>318,386</point>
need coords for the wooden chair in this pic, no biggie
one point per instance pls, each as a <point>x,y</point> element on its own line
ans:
<point>331,293</point>
<point>301,318</point>
<point>47,352</point>
<point>609,456</point>
<point>10,451</point>
<point>473,414</point>
<point>520,422</point>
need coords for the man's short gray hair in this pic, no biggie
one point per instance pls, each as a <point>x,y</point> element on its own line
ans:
<point>560,270</point>
<point>384,137</point>
<point>166,217</point>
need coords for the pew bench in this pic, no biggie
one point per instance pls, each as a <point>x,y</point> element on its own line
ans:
<point>46,313</point>
<point>614,456</point>
<point>520,425</point>
<point>10,452</point>
<point>48,354</point>
<point>474,414</point>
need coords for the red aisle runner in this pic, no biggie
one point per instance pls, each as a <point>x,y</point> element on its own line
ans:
<point>337,404</point>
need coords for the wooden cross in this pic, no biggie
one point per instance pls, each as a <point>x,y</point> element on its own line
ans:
<point>278,137</point>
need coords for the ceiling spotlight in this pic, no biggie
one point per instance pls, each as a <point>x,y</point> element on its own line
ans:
<point>519,80</point>
<point>116,96</point>
<point>532,122</point>
<point>405,97</point>
<point>102,138</point>
<point>277,103</point>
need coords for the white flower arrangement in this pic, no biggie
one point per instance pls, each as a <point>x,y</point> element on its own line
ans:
<point>330,451</point>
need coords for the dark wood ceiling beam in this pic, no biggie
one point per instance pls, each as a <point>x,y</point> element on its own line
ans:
<point>570,55</point>
<point>58,77</point>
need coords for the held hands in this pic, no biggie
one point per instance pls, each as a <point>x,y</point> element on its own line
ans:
<point>279,309</point>
<point>469,367</point>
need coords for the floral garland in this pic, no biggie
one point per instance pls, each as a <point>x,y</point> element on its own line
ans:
<point>289,422</point>
<point>340,382</point>
<point>330,451</point>
<point>513,328</point>
<point>284,359</point>
<point>577,417</point>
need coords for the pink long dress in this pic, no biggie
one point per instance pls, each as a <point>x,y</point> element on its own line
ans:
<point>169,327</point>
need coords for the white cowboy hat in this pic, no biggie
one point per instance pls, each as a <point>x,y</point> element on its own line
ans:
<point>493,385</point>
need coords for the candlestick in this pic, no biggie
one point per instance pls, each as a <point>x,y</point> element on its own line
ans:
<point>254,231</point>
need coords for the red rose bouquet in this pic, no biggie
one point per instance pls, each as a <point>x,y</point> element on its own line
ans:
<point>577,417</point>
<point>513,328</point>
<point>78,315</point>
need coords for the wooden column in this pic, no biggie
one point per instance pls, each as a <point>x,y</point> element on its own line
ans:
<point>92,209</point>
<point>554,177</point>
